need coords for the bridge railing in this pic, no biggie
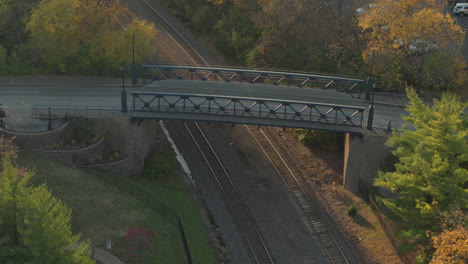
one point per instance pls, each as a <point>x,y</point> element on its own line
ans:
<point>349,86</point>
<point>104,111</point>
<point>246,107</point>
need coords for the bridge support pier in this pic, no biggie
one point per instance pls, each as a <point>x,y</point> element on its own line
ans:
<point>362,158</point>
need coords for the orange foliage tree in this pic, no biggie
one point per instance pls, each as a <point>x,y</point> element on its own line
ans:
<point>451,245</point>
<point>8,148</point>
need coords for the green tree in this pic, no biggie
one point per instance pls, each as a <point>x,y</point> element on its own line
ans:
<point>35,224</point>
<point>3,60</point>
<point>44,226</point>
<point>5,250</point>
<point>13,15</point>
<point>14,184</point>
<point>89,36</point>
<point>431,172</point>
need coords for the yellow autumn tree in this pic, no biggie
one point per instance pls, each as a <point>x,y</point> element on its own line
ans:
<point>413,42</point>
<point>451,245</point>
<point>88,36</point>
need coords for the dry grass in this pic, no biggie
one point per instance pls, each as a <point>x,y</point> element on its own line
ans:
<point>364,227</point>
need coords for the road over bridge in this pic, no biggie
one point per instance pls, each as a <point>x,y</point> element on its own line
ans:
<point>23,92</point>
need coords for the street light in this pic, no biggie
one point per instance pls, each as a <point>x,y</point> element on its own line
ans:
<point>49,124</point>
<point>134,69</point>
<point>370,83</point>
<point>370,118</point>
<point>123,93</point>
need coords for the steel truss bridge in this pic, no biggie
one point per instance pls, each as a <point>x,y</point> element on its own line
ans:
<point>247,110</point>
<point>349,86</point>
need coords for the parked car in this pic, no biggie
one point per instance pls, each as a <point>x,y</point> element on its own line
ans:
<point>454,2</point>
<point>418,46</point>
<point>461,9</point>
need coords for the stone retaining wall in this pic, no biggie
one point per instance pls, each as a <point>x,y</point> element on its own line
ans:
<point>132,138</point>
<point>84,155</point>
<point>124,166</point>
<point>36,140</point>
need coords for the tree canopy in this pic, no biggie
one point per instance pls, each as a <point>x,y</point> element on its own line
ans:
<point>451,244</point>
<point>87,35</point>
<point>35,227</point>
<point>432,171</point>
<point>413,42</point>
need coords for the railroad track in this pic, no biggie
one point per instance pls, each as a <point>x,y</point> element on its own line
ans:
<point>304,199</point>
<point>252,238</point>
<point>259,250</point>
<point>152,14</point>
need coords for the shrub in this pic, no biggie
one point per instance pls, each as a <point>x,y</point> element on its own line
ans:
<point>82,132</point>
<point>160,164</point>
<point>329,141</point>
<point>352,210</point>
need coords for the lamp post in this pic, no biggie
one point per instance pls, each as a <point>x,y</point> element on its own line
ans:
<point>134,69</point>
<point>370,83</point>
<point>123,93</point>
<point>49,124</point>
<point>370,118</point>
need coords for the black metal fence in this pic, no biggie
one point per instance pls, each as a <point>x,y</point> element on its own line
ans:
<point>42,111</point>
<point>159,207</point>
<point>387,226</point>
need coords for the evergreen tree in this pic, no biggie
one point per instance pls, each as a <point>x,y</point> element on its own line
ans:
<point>44,226</point>
<point>431,173</point>
<point>36,226</point>
<point>5,250</point>
<point>13,185</point>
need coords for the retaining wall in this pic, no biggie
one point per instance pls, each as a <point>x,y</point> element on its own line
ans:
<point>362,157</point>
<point>124,166</point>
<point>132,138</point>
<point>38,140</point>
<point>83,155</point>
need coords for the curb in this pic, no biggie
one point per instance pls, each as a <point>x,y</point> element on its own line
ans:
<point>384,103</point>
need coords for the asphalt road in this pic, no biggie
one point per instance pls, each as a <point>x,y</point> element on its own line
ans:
<point>23,92</point>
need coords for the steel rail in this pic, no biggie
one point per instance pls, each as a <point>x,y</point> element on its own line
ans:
<point>259,250</point>
<point>309,206</point>
<point>166,25</point>
<point>246,223</point>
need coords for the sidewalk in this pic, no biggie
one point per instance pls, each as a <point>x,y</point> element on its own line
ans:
<point>105,257</point>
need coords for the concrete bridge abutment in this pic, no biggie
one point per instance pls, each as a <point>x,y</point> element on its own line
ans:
<point>363,155</point>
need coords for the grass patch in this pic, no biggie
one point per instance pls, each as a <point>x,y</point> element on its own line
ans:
<point>161,164</point>
<point>174,192</point>
<point>101,211</point>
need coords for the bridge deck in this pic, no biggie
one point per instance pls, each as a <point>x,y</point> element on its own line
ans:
<point>249,120</point>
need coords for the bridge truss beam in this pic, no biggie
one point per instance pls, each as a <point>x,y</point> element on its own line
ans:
<point>246,110</point>
<point>349,86</point>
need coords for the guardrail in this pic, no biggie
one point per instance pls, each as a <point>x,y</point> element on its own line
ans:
<point>349,86</point>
